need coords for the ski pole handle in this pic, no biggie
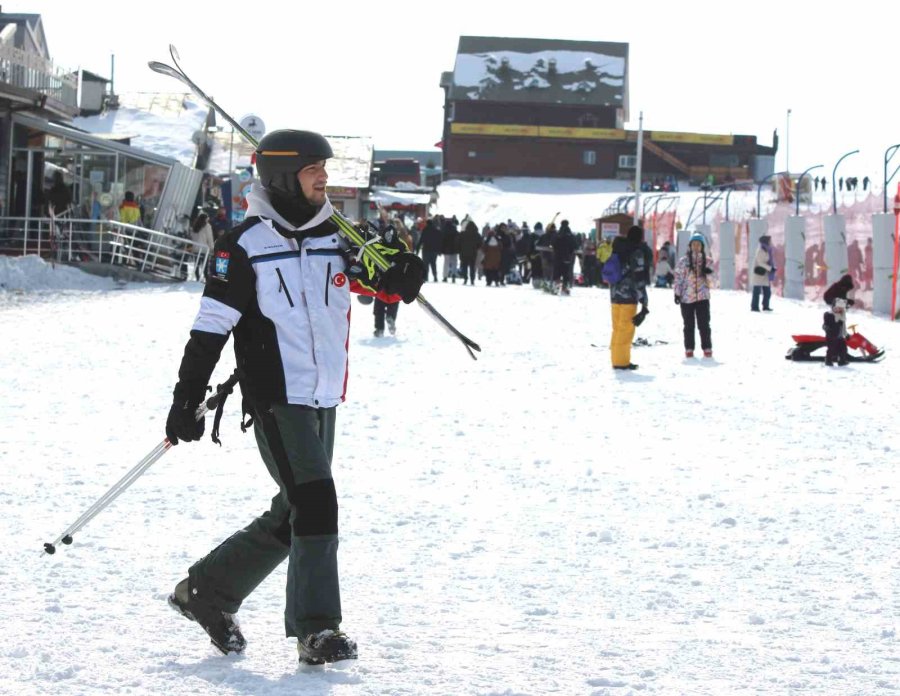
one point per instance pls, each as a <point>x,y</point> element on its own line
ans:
<point>222,391</point>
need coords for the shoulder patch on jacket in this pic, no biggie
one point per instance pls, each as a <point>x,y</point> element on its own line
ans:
<point>220,268</point>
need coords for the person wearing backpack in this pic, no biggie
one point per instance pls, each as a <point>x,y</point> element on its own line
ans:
<point>693,282</point>
<point>627,289</point>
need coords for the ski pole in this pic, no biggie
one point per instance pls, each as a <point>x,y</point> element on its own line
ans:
<point>210,404</point>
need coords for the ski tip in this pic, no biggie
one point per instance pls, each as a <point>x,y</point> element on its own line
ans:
<point>156,66</point>
<point>174,52</point>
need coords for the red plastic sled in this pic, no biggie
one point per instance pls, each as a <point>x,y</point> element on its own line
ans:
<point>806,344</point>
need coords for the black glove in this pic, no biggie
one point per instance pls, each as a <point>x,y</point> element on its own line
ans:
<point>677,299</point>
<point>404,277</point>
<point>707,270</point>
<point>182,423</point>
<point>638,318</point>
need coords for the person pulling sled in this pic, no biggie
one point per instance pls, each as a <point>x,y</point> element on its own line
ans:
<point>839,337</point>
<point>838,298</point>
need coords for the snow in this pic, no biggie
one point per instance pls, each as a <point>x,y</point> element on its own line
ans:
<point>32,273</point>
<point>473,69</point>
<point>529,523</point>
<point>162,123</point>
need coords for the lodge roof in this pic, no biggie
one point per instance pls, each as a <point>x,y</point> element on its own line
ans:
<point>551,71</point>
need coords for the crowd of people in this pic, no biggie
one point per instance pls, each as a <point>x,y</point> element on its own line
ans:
<point>506,253</point>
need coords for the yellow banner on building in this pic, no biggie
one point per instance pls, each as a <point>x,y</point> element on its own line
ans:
<point>693,138</point>
<point>492,129</point>
<point>581,133</point>
<point>537,131</point>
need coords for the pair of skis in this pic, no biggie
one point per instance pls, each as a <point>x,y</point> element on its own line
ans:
<point>346,229</point>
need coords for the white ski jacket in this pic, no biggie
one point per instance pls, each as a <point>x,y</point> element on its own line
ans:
<point>284,293</point>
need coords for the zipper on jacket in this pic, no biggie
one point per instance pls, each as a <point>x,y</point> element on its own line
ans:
<point>327,282</point>
<point>283,286</point>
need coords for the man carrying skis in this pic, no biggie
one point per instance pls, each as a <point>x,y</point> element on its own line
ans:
<point>281,281</point>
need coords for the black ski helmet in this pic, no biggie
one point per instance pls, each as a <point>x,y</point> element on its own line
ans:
<point>282,153</point>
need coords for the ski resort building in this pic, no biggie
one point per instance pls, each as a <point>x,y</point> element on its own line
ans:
<point>557,108</point>
<point>39,103</point>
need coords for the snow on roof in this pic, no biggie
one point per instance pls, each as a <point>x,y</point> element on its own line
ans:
<point>167,123</point>
<point>352,162</point>
<point>391,196</point>
<point>161,122</point>
<point>540,70</point>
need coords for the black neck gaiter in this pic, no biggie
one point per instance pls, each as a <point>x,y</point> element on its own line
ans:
<point>295,209</point>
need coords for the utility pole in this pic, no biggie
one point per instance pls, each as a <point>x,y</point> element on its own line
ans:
<point>787,144</point>
<point>637,170</point>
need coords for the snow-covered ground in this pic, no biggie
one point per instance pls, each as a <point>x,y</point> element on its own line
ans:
<point>530,523</point>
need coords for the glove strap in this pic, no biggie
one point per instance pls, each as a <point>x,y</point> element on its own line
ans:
<point>359,254</point>
<point>225,390</point>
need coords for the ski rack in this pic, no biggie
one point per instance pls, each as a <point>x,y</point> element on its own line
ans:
<point>345,227</point>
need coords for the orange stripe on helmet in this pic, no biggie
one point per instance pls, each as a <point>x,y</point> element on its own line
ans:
<point>279,153</point>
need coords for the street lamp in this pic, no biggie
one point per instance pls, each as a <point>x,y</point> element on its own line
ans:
<point>833,190</point>
<point>648,200</point>
<point>727,196</point>
<point>887,179</point>
<point>759,189</point>
<point>798,184</point>
<point>787,144</point>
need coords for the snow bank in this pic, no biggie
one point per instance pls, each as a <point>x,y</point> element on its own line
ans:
<point>33,274</point>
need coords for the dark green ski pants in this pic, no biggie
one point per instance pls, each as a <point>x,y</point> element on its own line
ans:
<point>296,444</point>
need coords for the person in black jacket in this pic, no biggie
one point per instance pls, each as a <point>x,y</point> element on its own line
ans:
<point>430,244</point>
<point>469,244</point>
<point>564,245</point>
<point>523,244</point>
<point>544,246</point>
<point>450,249</point>
<point>280,282</point>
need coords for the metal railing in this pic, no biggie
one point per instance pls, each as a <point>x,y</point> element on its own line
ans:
<point>32,71</point>
<point>69,240</point>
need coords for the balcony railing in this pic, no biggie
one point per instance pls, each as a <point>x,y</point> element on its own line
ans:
<point>107,242</point>
<point>32,71</point>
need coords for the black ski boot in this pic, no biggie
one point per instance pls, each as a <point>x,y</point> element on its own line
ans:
<point>326,646</point>
<point>221,626</point>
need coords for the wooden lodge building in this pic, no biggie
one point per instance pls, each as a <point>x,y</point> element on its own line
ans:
<point>556,108</point>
